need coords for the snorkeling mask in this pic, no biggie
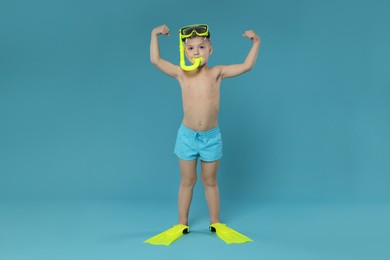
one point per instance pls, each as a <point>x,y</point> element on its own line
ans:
<point>202,30</point>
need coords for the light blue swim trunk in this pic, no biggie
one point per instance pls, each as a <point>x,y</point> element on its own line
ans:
<point>191,145</point>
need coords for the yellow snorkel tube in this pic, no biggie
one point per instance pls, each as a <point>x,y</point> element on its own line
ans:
<point>186,32</point>
<point>183,65</point>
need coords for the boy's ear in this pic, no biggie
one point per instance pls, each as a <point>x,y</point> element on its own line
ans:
<point>211,50</point>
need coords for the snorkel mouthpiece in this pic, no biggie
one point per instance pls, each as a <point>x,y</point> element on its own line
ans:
<point>183,65</point>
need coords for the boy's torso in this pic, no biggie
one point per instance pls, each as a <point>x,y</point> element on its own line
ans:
<point>201,98</point>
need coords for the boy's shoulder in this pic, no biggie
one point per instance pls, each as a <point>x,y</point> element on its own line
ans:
<point>216,70</point>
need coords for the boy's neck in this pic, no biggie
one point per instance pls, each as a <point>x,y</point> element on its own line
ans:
<point>197,70</point>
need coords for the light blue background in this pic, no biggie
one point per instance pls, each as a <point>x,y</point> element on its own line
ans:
<point>85,116</point>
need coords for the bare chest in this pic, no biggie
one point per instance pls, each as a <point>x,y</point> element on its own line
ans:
<point>202,86</point>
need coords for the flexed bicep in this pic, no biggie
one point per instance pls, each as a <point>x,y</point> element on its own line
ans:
<point>237,69</point>
<point>167,67</point>
<point>230,71</point>
<point>155,58</point>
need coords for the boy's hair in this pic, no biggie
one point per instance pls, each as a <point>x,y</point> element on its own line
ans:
<point>193,36</point>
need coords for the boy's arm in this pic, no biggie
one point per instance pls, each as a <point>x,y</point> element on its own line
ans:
<point>237,69</point>
<point>165,66</point>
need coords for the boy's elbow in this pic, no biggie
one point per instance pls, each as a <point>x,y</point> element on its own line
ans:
<point>248,65</point>
<point>154,61</point>
<point>248,68</point>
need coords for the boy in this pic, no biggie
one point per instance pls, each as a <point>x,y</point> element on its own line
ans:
<point>199,135</point>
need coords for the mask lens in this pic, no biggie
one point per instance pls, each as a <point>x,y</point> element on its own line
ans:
<point>187,31</point>
<point>200,29</point>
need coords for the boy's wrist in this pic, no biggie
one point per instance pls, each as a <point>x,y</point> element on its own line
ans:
<point>256,40</point>
<point>155,32</point>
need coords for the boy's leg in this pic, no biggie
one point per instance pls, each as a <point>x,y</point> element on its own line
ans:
<point>209,180</point>
<point>187,183</point>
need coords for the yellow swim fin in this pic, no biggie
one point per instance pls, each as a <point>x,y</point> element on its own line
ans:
<point>230,236</point>
<point>168,236</point>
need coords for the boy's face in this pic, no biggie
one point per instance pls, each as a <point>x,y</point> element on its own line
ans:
<point>198,47</point>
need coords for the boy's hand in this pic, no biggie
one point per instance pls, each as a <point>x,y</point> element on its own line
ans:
<point>163,29</point>
<point>252,35</point>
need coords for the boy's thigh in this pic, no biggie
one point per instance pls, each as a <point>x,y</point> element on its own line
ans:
<point>210,168</point>
<point>188,168</point>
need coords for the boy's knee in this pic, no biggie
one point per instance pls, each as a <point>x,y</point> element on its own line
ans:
<point>188,181</point>
<point>209,181</point>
